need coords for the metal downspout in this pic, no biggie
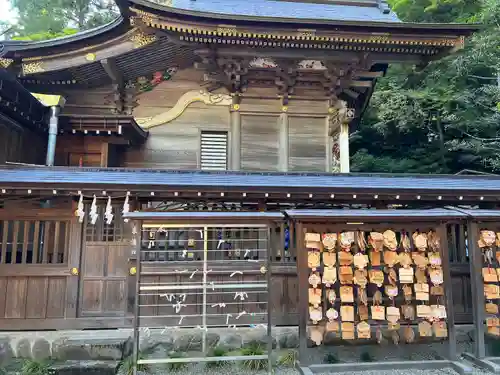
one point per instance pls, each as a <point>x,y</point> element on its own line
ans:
<point>53,129</point>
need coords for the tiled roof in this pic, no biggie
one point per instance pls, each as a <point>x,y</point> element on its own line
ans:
<point>165,179</point>
<point>285,9</point>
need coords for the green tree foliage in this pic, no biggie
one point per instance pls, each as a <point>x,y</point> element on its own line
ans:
<point>446,117</point>
<point>47,19</point>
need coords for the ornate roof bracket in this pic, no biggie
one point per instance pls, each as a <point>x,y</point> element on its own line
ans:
<point>116,77</point>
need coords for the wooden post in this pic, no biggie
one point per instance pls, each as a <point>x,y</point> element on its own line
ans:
<point>302,271</point>
<point>235,126</point>
<point>328,147</point>
<point>452,339</point>
<point>283,153</point>
<point>477,289</point>
<point>75,246</point>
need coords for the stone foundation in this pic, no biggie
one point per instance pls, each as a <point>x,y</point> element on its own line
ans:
<point>115,345</point>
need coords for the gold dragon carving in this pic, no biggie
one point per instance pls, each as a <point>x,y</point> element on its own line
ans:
<point>184,101</point>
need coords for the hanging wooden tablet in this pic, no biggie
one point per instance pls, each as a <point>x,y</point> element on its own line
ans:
<point>422,292</point>
<point>433,241</point>
<point>329,241</point>
<point>409,335</point>
<point>313,259</point>
<point>390,241</point>
<point>491,308</point>
<point>390,258</point>
<point>332,326</point>
<point>191,242</point>
<point>420,260</point>
<point>360,278</point>
<point>329,276</point>
<point>408,312</point>
<point>316,334</point>
<point>438,312</point>
<point>405,260</point>
<point>436,276</point>
<point>363,312</point>
<point>498,273</point>
<point>440,329</point>
<point>315,314</point>
<point>347,313</point>
<point>360,260</point>
<point>406,275</point>
<point>391,291</point>
<point>346,294</point>
<point>491,291</point>
<point>332,314</point>
<point>420,241</point>
<point>377,312</point>
<point>375,258</point>
<point>495,331</point>
<point>395,337</point>
<point>345,258</point>
<point>497,240</point>
<point>376,277</point>
<point>434,259</point>
<point>347,330</point>
<point>364,330</point>
<point>392,276</point>
<point>313,241</point>
<point>331,295</point>
<point>425,329</point>
<point>376,241</point>
<point>377,298</point>
<point>329,259</point>
<point>497,254</point>
<point>492,322</point>
<point>393,314</point>
<point>437,290</point>
<point>346,240</point>
<point>405,242</point>
<point>346,275</point>
<point>362,296</point>
<point>407,292</point>
<point>424,311</point>
<point>486,238</point>
<point>315,296</point>
<point>489,275</point>
<point>361,240</point>
<point>421,276</point>
<point>488,255</point>
<point>314,279</point>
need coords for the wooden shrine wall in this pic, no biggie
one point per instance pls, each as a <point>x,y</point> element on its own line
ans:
<point>21,146</point>
<point>89,102</point>
<point>38,247</point>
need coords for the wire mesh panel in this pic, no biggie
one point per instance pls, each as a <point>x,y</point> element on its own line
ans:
<point>195,282</point>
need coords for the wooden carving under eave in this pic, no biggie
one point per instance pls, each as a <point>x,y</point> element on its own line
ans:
<point>181,105</point>
<point>32,67</point>
<point>140,39</point>
<point>5,63</point>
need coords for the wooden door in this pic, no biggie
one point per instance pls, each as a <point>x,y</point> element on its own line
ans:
<point>104,269</point>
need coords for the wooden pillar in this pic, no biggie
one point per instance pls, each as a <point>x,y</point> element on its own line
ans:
<point>478,300</point>
<point>344,148</point>
<point>283,153</point>
<point>329,168</point>
<point>235,128</point>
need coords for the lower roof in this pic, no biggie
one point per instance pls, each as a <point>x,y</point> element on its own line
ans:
<point>166,180</point>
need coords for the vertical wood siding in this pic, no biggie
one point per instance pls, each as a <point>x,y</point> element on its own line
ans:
<point>307,140</point>
<point>259,143</point>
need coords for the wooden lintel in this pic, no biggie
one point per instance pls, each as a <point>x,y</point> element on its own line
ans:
<point>361,84</point>
<point>365,74</point>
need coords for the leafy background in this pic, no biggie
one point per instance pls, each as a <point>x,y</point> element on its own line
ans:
<point>443,118</point>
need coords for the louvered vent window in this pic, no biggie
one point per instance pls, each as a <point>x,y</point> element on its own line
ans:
<point>213,151</point>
